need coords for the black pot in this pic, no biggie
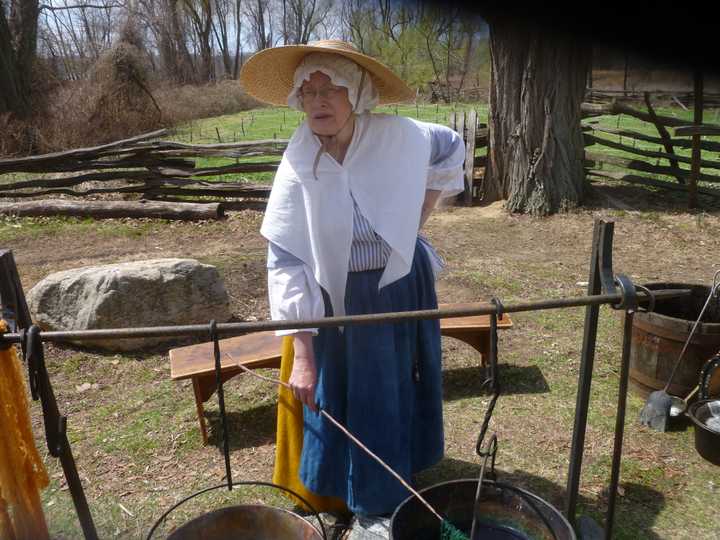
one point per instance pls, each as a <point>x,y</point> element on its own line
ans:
<point>707,441</point>
<point>508,513</point>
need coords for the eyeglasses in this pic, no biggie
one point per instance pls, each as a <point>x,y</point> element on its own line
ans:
<point>329,92</point>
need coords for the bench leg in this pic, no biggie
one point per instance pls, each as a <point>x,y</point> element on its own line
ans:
<point>204,386</point>
<point>478,341</point>
<point>197,389</point>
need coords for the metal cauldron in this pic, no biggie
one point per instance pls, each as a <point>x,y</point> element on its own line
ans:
<point>508,513</point>
<point>246,521</point>
<point>707,441</point>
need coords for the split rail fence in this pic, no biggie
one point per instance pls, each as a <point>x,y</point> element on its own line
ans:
<point>147,177</point>
<point>664,165</point>
<point>162,173</point>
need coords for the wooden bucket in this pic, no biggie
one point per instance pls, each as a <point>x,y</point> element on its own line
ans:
<point>658,339</point>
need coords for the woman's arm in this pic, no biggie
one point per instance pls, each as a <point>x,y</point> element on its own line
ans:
<point>445,170</point>
<point>432,196</point>
<point>303,379</point>
<point>295,295</point>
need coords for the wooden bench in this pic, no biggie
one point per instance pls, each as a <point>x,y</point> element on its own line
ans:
<point>262,350</point>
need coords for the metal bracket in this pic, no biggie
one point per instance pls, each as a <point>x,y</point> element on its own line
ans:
<point>604,262</point>
<point>629,300</point>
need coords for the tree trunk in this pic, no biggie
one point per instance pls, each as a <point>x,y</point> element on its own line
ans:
<point>18,47</point>
<point>535,145</point>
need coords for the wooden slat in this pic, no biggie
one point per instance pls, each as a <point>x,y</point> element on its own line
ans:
<point>666,141</point>
<point>681,143</point>
<point>470,323</point>
<point>596,109</point>
<point>642,180</point>
<point>470,124</point>
<point>113,209</point>
<point>78,152</point>
<point>644,166</point>
<point>480,161</point>
<point>254,350</point>
<point>647,153</point>
<point>682,131</point>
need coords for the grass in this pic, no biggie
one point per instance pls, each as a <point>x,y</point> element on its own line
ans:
<point>12,228</point>
<point>135,435</point>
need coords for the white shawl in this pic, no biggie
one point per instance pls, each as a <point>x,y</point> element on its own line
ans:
<point>385,169</point>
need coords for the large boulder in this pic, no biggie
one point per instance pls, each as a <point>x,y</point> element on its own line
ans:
<point>143,293</point>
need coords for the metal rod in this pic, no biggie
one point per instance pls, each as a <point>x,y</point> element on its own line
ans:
<point>78,493</point>
<point>619,423</point>
<point>221,402</point>
<point>234,329</point>
<point>584,377</point>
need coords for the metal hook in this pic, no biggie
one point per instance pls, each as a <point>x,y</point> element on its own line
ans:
<point>499,308</point>
<point>650,295</point>
<point>40,388</point>
<point>716,284</point>
<point>492,380</point>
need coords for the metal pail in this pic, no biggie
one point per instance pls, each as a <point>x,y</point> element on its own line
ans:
<point>507,513</point>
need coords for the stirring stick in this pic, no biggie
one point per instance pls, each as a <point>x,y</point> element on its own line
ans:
<point>350,436</point>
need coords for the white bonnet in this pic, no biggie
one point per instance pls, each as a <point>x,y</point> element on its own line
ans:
<point>342,72</point>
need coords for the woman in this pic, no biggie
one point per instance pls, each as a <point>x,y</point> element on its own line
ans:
<point>342,221</point>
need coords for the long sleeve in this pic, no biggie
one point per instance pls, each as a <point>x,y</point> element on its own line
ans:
<point>446,161</point>
<point>293,292</point>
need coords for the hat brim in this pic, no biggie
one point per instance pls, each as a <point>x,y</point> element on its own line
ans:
<point>268,74</point>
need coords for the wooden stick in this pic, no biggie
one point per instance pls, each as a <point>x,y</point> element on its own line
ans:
<point>666,140</point>
<point>350,436</point>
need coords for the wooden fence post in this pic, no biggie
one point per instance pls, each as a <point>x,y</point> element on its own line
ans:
<point>697,118</point>
<point>471,126</point>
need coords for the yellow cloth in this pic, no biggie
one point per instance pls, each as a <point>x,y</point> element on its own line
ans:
<point>22,473</point>
<point>290,440</point>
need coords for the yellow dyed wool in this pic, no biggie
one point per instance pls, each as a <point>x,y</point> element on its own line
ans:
<point>290,440</point>
<point>22,473</point>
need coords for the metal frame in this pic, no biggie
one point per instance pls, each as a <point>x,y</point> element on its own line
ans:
<point>603,288</point>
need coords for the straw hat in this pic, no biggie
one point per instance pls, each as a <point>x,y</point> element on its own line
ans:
<point>268,74</point>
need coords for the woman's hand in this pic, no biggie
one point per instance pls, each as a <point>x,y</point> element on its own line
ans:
<point>303,378</point>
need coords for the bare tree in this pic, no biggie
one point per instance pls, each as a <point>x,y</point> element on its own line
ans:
<point>259,18</point>
<point>226,22</point>
<point>304,17</point>
<point>200,14</point>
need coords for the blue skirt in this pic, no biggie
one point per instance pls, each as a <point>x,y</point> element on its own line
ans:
<point>384,383</point>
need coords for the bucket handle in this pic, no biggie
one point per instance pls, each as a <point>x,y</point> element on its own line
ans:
<point>240,483</point>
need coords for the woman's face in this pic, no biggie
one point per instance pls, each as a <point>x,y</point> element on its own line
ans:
<point>327,106</point>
